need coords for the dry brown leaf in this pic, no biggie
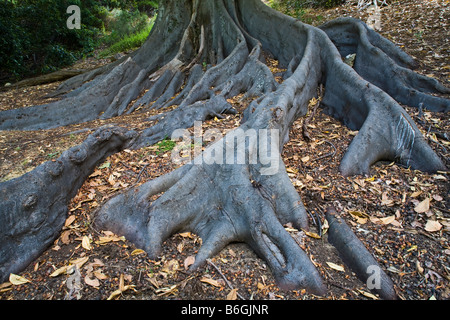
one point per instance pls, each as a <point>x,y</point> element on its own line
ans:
<point>17,280</point>
<point>423,206</point>
<point>167,291</point>
<point>189,261</point>
<point>232,295</point>
<point>97,263</point>
<point>187,235</point>
<point>171,266</point>
<point>65,236</point>
<point>385,200</point>
<point>433,226</point>
<point>86,243</point>
<point>312,234</point>
<point>388,220</point>
<point>137,252</point>
<point>92,282</point>
<point>59,272</point>
<point>335,266</point>
<point>79,262</point>
<point>211,282</point>
<point>69,220</point>
<point>100,275</point>
<point>110,237</point>
<point>368,294</point>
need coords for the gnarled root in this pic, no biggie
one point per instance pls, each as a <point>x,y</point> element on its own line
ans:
<point>34,206</point>
<point>218,197</point>
<point>355,255</point>
<point>222,204</point>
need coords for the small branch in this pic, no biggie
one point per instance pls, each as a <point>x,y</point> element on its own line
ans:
<point>329,154</point>
<point>225,278</point>
<point>305,131</point>
<point>140,174</point>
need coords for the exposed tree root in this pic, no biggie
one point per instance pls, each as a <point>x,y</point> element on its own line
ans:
<point>355,254</point>
<point>215,54</point>
<point>34,206</point>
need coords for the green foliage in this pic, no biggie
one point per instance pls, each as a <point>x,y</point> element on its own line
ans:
<point>165,146</point>
<point>125,23</point>
<point>35,38</point>
<point>299,8</point>
<point>125,30</point>
<point>127,43</point>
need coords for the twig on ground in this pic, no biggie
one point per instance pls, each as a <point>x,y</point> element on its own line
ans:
<point>225,278</point>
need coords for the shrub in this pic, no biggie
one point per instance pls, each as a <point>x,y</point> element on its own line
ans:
<point>128,42</point>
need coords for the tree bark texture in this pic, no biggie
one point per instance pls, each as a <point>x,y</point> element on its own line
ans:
<point>199,54</point>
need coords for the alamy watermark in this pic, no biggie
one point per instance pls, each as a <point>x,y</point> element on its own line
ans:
<point>374,280</point>
<point>237,147</point>
<point>74,21</point>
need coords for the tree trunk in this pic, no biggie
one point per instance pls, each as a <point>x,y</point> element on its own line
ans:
<point>204,52</point>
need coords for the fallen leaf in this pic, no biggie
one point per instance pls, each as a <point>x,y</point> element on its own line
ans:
<point>110,237</point>
<point>65,236</point>
<point>86,243</point>
<point>171,266</point>
<point>97,263</point>
<point>166,291</point>
<point>312,234</point>
<point>367,294</point>
<point>433,226</point>
<point>360,217</point>
<point>419,267</point>
<point>188,262</point>
<point>17,280</point>
<point>137,252</point>
<point>416,194</point>
<point>92,282</point>
<point>180,247</point>
<point>6,286</point>
<point>69,220</point>
<point>423,206</point>
<point>122,288</point>
<point>79,262</point>
<point>114,294</point>
<point>385,200</point>
<point>211,281</point>
<point>99,275</point>
<point>153,281</point>
<point>59,272</point>
<point>232,295</point>
<point>325,226</point>
<point>291,170</point>
<point>335,266</point>
<point>105,165</point>
<point>111,180</point>
<point>387,220</point>
<point>187,235</point>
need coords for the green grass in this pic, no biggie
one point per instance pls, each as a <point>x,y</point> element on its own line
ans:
<point>165,146</point>
<point>130,42</point>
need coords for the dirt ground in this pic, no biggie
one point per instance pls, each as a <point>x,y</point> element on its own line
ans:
<point>401,215</point>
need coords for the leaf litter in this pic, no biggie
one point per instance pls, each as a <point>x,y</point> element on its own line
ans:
<point>401,215</point>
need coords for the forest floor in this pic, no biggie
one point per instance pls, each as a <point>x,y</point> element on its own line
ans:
<point>401,215</point>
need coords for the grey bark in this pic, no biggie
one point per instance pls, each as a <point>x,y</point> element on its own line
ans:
<point>207,52</point>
